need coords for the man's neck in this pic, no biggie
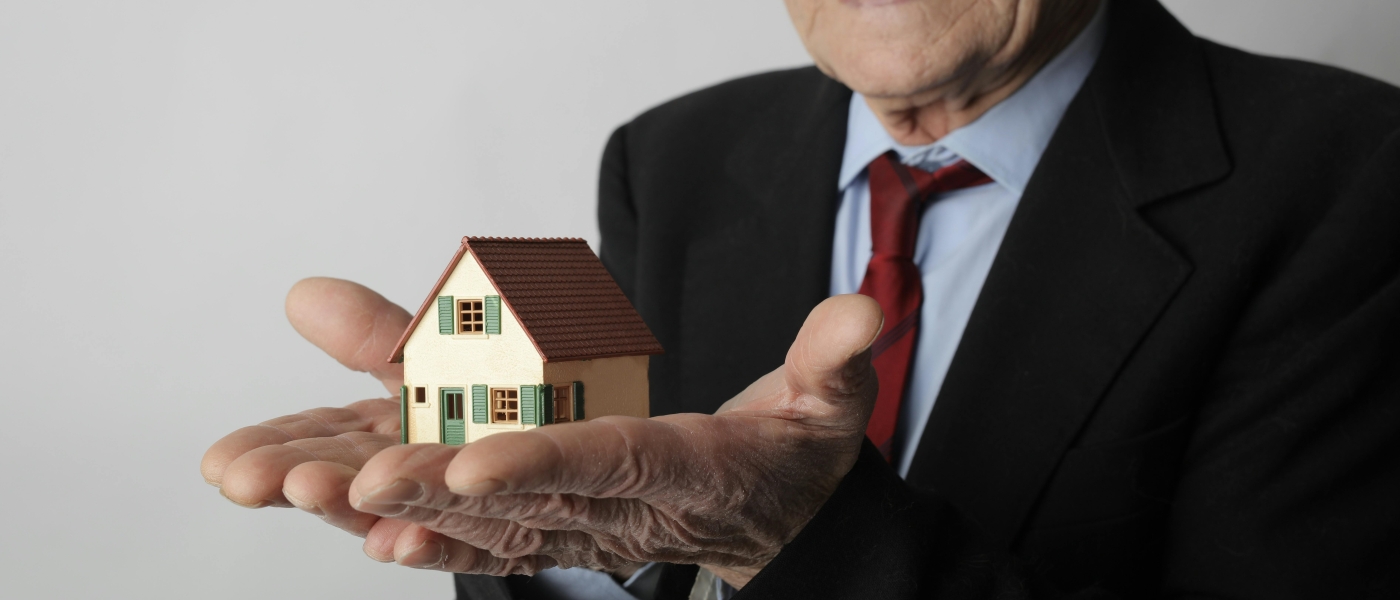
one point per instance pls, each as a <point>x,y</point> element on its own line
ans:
<point>925,117</point>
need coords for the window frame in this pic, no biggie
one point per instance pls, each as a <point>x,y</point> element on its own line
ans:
<point>567,390</point>
<point>458,322</point>
<point>511,394</point>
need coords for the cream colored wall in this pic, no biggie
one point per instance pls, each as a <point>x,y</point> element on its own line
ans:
<point>434,361</point>
<point>611,386</point>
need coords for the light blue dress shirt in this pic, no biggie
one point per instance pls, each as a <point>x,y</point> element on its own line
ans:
<point>959,235</point>
<point>961,231</point>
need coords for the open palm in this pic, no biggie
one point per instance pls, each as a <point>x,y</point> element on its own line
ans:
<point>726,490</point>
<point>291,460</point>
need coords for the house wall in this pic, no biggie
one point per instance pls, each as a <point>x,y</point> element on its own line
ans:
<point>611,386</point>
<point>435,361</point>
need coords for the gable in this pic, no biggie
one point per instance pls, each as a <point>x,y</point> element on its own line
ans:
<point>564,298</point>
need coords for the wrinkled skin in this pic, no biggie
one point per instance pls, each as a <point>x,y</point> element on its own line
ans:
<point>726,490</point>
<point>927,67</point>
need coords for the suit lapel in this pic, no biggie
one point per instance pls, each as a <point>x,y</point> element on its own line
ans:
<point>1081,276</point>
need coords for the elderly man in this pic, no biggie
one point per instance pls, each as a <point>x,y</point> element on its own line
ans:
<point>1130,298</point>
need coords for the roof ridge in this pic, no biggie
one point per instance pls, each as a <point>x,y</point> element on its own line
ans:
<point>565,299</point>
<point>466,239</point>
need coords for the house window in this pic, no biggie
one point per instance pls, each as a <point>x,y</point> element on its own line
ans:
<point>471,316</point>
<point>452,404</point>
<point>563,403</point>
<point>505,405</point>
<point>420,395</point>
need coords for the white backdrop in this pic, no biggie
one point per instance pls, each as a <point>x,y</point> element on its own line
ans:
<point>169,169</point>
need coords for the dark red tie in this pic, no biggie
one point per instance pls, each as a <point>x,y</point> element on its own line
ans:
<point>898,194</point>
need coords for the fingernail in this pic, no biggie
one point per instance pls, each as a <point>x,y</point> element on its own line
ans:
<point>384,559</point>
<point>427,554</point>
<point>481,488</point>
<point>258,504</point>
<point>397,492</point>
<point>304,505</point>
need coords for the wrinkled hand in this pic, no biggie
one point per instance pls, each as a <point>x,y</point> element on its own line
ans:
<point>726,490</point>
<point>308,459</point>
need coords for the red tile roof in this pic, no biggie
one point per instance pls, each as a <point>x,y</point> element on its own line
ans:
<point>565,299</point>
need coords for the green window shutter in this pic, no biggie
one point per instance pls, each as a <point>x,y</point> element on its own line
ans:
<point>447,316</point>
<point>442,418</point>
<point>403,414</point>
<point>479,404</point>
<point>578,400</point>
<point>528,399</point>
<point>493,314</point>
<point>546,404</point>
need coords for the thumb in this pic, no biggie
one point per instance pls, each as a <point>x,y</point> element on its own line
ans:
<point>830,359</point>
<point>350,322</point>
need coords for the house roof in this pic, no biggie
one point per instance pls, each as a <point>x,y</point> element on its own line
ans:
<point>563,296</point>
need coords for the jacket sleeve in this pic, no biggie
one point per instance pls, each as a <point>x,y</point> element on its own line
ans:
<point>877,538</point>
<point>617,216</point>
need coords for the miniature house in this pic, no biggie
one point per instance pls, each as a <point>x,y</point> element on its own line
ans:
<point>519,333</point>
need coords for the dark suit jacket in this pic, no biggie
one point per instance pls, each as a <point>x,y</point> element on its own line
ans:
<point>1181,377</point>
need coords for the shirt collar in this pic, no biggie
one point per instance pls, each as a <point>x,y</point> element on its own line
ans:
<point>1005,142</point>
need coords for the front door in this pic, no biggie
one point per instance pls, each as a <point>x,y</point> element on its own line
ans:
<point>454,423</point>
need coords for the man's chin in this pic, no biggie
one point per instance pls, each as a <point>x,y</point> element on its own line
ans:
<point>877,79</point>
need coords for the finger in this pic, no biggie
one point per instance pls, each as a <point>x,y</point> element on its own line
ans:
<point>321,488</point>
<point>401,475</point>
<point>553,524</point>
<point>379,542</point>
<point>772,384</point>
<point>513,539</point>
<point>623,457</point>
<point>406,483</point>
<point>256,478</point>
<point>830,361</point>
<point>425,549</point>
<point>609,457</point>
<point>671,457</point>
<point>826,383</point>
<point>350,322</point>
<point>576,530</point>
<point>378,416</point>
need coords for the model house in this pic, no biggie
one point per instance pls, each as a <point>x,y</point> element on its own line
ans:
<point>520,333</point>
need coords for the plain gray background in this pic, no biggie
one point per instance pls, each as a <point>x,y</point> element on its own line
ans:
<point>169,169</point>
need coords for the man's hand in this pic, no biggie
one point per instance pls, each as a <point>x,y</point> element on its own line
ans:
<point>309,458</point>
<point>727,490</point>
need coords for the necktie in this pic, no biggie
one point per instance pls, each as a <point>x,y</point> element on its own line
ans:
<point>898,194</point>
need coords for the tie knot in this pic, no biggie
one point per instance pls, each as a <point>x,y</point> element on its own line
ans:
<point>898,193</point>
<point>919,184</point>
